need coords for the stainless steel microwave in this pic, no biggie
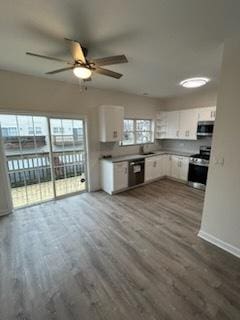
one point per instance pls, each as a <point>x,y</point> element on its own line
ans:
<point>205,128</point>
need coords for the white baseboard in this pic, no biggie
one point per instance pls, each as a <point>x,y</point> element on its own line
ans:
<point>219,243</point>
<point>5,213</point>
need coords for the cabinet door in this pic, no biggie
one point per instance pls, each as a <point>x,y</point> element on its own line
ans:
<point>159,168</point>
<point>120,175</point>
<point>175,167</point>
<point>188,124</point>
<point>167,164</point>
<point>111,123</point>
<point>207,114</point>
<point>183,171</point>
<point>149,168</point>
<point>172,125</point>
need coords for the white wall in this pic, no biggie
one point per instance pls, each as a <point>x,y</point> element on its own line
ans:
<point>204,97</point>
<point>32,94</point>
<point>221,215</point>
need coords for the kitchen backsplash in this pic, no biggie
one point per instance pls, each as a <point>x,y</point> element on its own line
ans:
<point>185,145</point>
<point>115,150</point>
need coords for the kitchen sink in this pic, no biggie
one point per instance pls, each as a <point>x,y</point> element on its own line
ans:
<point>148,153</point>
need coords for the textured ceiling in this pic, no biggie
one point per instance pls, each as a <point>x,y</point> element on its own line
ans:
<point>165,41</point>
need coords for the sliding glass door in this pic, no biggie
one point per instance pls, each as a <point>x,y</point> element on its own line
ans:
<point>68,154</point>
<point>45,157</point>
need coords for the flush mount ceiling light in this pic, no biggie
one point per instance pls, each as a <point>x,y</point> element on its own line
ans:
<point>194,82</point>
<point>82,72</point>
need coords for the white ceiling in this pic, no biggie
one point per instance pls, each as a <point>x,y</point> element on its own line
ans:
<point>165,41</point>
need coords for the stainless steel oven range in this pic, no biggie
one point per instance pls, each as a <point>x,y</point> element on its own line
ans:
<point>198,168</point>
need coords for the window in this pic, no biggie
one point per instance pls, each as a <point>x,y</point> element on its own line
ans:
<point>58,130</point>
<point>30,130</point>
<point>38,130</point>
<point>137,132</point>
<point>9,132</point>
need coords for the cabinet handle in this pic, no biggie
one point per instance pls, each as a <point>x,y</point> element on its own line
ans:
<point>126,170</point>
<point>115,134</point>
<point>186,133</point>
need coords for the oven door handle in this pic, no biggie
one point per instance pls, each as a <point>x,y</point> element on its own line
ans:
<point>198,164</point>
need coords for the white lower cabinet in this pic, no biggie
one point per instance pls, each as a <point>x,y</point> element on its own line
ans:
<point>149,164</point>
<point>167,164</point>
<point>120,179</point>
<point>154,167</point>
<point>174,167</point>
<point>179,167</point>
<point>114,176</point>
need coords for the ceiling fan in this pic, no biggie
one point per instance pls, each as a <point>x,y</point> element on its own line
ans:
<point>83,67</point>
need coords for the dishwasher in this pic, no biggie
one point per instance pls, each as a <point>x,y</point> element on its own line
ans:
<point>136,172</point>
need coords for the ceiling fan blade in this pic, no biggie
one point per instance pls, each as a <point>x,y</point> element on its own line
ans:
<point>107,61</point>
<point>76,51</point>
<point>108,73</point>
<point>59,70</point>
<point>47,57</point>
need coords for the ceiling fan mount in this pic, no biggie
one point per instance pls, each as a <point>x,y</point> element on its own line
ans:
<point>83,67</point>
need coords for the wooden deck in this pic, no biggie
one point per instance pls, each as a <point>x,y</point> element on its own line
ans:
<point>36,193</point>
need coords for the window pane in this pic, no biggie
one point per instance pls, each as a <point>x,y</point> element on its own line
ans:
<point>128,138</point>
<point>144,137</point>
<point>143,125</point>
<point>128,125</point>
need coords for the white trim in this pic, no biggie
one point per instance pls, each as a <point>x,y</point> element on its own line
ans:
<point>51,114</point>
<point>6,212</point>
<point>219,243</point>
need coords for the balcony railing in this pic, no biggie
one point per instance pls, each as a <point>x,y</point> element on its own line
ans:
<point>59,140</point>
<point>27,142</point>
<point>32,168</point>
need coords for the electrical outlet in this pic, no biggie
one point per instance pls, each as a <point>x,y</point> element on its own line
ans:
<point>219,161</point>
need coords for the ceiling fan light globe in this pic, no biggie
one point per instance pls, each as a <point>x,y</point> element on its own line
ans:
<point>82,72</point>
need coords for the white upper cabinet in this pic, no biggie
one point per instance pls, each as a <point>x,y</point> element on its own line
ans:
<point>111,123</point>
<point>173,118</point>
<point>207,114</point>
<point>182,124</point>
<point>188,124</point>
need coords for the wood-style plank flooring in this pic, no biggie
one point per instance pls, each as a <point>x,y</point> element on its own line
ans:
<point>132,256</point>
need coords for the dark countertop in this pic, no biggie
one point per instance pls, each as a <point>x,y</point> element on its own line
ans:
<point>140,156</point>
